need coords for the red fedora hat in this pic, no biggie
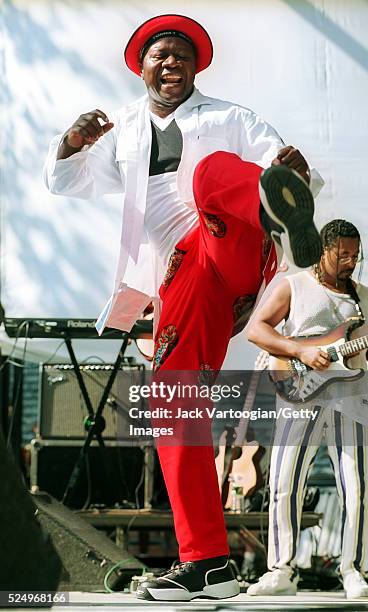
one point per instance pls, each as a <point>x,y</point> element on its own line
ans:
<point>163,23</point>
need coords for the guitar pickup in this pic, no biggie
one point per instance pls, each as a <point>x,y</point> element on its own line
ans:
<point>332,352</point>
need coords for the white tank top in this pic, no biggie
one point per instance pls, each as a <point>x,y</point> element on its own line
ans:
<point>315,310</point>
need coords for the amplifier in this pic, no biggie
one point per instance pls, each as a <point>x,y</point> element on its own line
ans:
<point>108,475</point>
<point>62,409</point>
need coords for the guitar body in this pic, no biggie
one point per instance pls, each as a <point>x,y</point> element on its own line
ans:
<point>235,456</point>
<point>295,382</point>
<point>246,470</point>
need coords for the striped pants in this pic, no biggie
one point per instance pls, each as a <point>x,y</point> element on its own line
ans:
<point>296,444</point>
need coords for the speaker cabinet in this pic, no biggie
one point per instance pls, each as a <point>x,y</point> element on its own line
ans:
<point>28,560</point>
<point>62,409</point>
<point>113,475</point>
<point>85,553</point>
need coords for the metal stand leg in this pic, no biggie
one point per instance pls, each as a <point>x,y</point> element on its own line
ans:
<point>149,469</point>
<point>95,422</point>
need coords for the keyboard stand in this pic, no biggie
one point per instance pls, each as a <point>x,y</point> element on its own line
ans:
<point>69,329</point>
<point>95,423</point>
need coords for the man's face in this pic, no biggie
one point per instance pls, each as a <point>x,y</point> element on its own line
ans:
<point>168,70</point>
<point>340,260</point>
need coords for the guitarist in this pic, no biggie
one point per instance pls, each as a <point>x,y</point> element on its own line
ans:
<point>311,303</point>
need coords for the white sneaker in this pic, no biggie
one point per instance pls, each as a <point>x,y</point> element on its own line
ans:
<point>277,582</point>
<point>355,586</point>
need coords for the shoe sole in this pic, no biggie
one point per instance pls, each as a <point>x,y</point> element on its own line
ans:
<point>287,199</point>
<point>273,593</point>
<point>223,590</point>
<point>357,595</point>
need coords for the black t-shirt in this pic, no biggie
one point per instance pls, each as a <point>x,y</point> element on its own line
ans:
<point>166,149</point>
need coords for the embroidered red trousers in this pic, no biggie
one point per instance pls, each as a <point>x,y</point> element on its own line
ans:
<point>216,267</point>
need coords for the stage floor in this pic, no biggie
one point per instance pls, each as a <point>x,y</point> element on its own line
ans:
<point>305,600</point>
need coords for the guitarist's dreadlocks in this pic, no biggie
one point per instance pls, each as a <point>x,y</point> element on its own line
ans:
<point>330,237</point>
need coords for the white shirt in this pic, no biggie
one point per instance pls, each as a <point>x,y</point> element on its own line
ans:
<point>167,219</point>
<point>162,122</point>
<point>119,163</point>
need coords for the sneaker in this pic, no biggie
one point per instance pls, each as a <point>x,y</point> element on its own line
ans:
<point>277,582</point>
<point>289,204</point>
<point>354,585</point>
<point>212,578</point>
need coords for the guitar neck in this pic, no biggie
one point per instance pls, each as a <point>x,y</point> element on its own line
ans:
<point>247,406</point>
<point>354,346</point>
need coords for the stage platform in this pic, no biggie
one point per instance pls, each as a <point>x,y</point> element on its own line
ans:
<point>305,600</point>
<point>155,519</point>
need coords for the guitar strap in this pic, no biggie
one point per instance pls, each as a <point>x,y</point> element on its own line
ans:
<point>354,294</point>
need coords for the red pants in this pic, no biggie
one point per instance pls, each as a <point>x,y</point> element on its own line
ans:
<point>215,270</point>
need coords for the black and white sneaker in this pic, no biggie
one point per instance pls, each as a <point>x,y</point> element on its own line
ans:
<point>289,205</point>
<point>210,578</point>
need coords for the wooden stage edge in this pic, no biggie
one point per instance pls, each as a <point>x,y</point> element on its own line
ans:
<point>154,519</point>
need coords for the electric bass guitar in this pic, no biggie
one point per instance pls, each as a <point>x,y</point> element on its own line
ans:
<point>296,382</point>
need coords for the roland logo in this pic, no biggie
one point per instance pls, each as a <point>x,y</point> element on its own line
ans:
<point>80,323</point>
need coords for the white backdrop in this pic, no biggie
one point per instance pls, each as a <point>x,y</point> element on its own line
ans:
<point>301,64</point>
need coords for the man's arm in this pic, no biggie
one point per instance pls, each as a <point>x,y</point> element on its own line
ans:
<point>264,146</point>
<point>292,158</point>
<point>86,130</point>
<point>80,171</point>
<point>261,330</point>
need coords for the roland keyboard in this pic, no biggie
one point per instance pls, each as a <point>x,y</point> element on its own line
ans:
<point>70,328</point>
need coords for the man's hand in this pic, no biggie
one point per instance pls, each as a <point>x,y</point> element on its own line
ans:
<point>86,130</point>
<point>292,158</point>
<point>313,357</point>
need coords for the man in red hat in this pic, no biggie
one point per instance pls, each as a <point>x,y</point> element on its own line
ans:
<point>195,241</point>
